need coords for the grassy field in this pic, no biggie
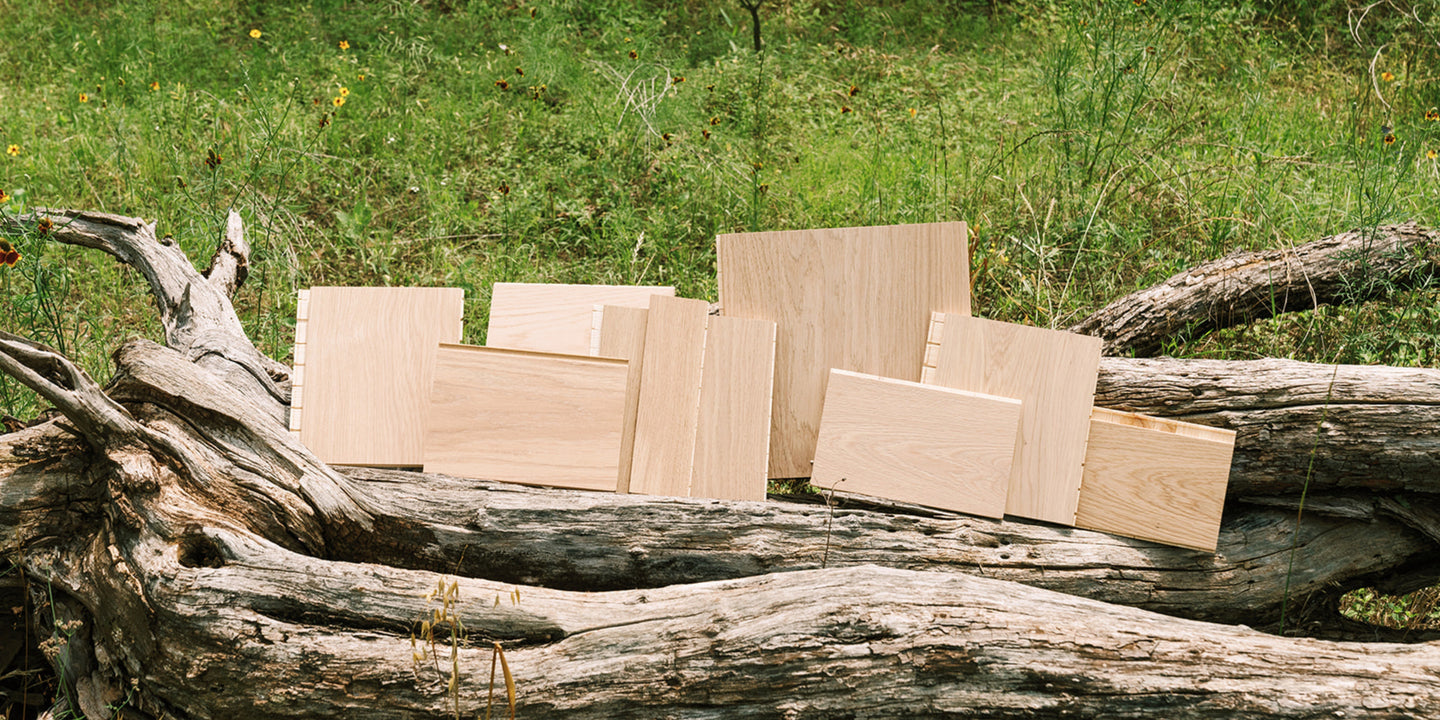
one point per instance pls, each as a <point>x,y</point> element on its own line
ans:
<point>1094,147</point>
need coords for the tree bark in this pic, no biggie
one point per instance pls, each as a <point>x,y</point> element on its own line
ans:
<point>188,558</point>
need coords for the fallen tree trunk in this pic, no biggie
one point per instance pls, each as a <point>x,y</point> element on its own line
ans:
<point>196,561</point>
<point>1349,267</point>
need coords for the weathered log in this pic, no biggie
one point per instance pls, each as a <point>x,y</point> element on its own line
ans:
<point>199,562</point>
<point>1244,286</point>
<point>1335,426</point>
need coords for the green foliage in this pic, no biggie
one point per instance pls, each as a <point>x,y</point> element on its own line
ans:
<point>1419,610</point>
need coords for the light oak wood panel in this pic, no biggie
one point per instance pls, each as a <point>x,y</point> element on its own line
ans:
<point>852,298</point>
<point>916,443</point>
<point>732,435</point>
<point>1054,374</point>
<point>620,333</point>
<point>665,419</point>
<point>553,317</point>
<point>365,356</point>
<point>523,417</point>
<point>1155,479</point>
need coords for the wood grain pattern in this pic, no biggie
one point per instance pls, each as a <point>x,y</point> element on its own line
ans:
<point>621,334</point>
<point>665,420</point>
<point>367,358</point>
<point>556,318</point>
<point>854,298</point>
<point>523,417</point>
<point>1054,374</point>
<point>732,435</point>
<point>1155,479</point>
<point>916,443</point>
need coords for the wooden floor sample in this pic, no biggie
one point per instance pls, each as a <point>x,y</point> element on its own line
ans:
<point>857,299</point>
<point>1155,479</point>
<point>363,364</point>
<point>1053,373</point>
<point>916,443</point>
<point>523,417</point>
<point>732,436</point>
<point>668,409</point>
<point>555,318</point>
<point>620,333</point>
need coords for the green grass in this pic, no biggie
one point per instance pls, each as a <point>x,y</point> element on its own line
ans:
<point>1096,148</point>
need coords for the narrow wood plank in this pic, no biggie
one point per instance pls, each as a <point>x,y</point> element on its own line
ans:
<point>732,436</point>
<point>369,356</point>
<point>1155,479</point>
<point>556,318</point>
<point>916,443</point>
<point>668,408</point>
<point>297,360</point>
<point>1054,374</point>
<point>529,418</point>
<point>854,298</point>
<point>621,334</point>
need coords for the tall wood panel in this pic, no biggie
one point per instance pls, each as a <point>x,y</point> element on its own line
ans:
<point>620,333</point>
<point>553,317</point>
<point>916,443</point>
<point>851,298</point>
<point>669,403</point>
<point>1054,374</point>
<point>364,357</point>
<point>732,434</point>
<point>523,417</point>
<point>1155,479</point>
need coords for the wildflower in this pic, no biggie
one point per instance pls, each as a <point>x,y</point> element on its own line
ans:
<point>213,159</point>
<point>344,44</point>
<point>362,77</point>
<point>1431,154</point>
<point>154,85</point>
<point>505,48</point>
<point>121,81</point>
<point>627,39</point>
<point>502,84</point>
<point>84,98</point>
<point>714,121</point>
<point>633,55</point>
<point>1387,76</point>
<point>854,90</point>
<point>3,197</point>
<point>764,188</point>
<point>344,91</point>
<point>705,134</point>
<point>337,101</point>
<point>1389,138</point>
<point>255,33</point>
<point>665,137</point>
<point>844,109</point>
<point>710,88</point>
<point>504,188</point>
<point>677,79</point>
<point>1432,115</point>
<point>12,150</point>
<point>8,254</point>
<point>324,120</point>
<point>757,166</point>
<point>532,12</point>
<point>912,112</point>
<point>1138,3</point>
<point>520,71</point>
<point>44,226</point>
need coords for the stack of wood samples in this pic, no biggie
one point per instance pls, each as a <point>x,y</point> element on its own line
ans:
<point>856,299</point>
<point>700,402</point>
<point>363,364</point>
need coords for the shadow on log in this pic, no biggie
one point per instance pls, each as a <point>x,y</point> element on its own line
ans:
<point>188,558</point>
